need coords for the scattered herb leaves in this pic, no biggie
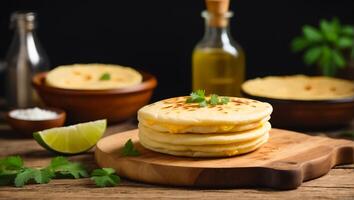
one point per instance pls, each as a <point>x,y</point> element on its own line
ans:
<point>225,100</point>
<point>105,77</point>
<point>9,168</point>
<point>13,172</point>
<point>200,98</point>
<point>11,163</point>
<point>32,174</point>
<point>105,177</point>
<point>60,165</point>
<point>196,97</point>
<point>129,149</point>
<point>214,100</point>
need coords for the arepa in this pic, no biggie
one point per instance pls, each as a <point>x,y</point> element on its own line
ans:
<point>92,77</point>
<point>306,87</point>
<point>175,115</point>
<point>177,127</point>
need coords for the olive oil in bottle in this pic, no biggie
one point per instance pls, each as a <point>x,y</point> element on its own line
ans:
<point>218,62</point>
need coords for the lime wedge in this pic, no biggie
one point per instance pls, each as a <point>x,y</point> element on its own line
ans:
<point>71,139</point>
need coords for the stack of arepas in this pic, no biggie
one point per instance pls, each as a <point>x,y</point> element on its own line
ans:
<point>176,127</point>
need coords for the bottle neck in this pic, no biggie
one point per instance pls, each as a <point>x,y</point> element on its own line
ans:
<point>24,24</point>
<point>25,42</point>
<point>214,33</point>
<point>217,29</point>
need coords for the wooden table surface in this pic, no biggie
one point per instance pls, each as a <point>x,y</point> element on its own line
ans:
<point>337,184</point>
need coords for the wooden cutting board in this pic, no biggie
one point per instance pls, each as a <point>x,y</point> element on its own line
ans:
<point>288,159</point>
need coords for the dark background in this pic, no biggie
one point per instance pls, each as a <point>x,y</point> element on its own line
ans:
<point>159,35</point>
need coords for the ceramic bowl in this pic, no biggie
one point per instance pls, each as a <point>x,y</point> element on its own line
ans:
<point>306,114</point>
<point>27,127</point>
<point>115,105</point>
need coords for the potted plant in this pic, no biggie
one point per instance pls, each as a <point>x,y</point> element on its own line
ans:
<point>330,47</point>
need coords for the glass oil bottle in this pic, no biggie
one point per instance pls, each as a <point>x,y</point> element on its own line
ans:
<point>218,62</point>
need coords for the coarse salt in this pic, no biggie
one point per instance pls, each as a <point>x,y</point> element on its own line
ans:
<point>34,114</point>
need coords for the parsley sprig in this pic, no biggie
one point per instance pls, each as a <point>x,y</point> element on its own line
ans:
<point>13,171</point>
<point>105,177</point>
<point>129,149</point>
<point>200,98</point>
<point>105,76</point>
<point>62,167</point>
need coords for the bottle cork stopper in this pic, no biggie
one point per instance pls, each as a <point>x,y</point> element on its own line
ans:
<point>217,9</point>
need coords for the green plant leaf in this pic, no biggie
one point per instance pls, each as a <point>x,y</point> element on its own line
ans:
<point>129,149</point>
<point>298,44</point>
<point>338,59</point>
<point>58,161</point>
<point>61,165</point>
<point>214,99</point>
<point>105,177</point>
<point>329,30</point>
<point>103,172</point>
<point>348,30</point>
<point>336,26</point>
<point>345,42</point>
<point>23,177</point>
<point>312,34</point>
<point>196,97</point>
<point>325,62</point>
<point>225,100</point>
<point>42,176</point>
<point>105,76</point>
<point>11,163</point>
<point>312,55</point>
<point>76,170</point>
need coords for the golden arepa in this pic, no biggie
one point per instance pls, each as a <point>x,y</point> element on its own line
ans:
<point>175,127</point>
<point>299,87</point>
<point>176,116</point>
<point>93,77</point>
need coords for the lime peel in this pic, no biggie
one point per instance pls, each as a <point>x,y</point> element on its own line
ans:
<point>72,139</point>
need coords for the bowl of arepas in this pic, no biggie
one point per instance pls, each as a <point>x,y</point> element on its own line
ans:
<point>305,102</point>
<point>95,91</point>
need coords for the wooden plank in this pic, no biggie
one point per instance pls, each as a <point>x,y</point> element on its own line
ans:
<point>340,187</point>
<point>337,184</point>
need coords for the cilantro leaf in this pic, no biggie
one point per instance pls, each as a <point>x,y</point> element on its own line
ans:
<point>42,176</point>
<point>75,170</point>
<point>23,177</point>
<point>199,97</point>
<point>61,165</point>
<point>225,100</point>
<point>105,177</point>
<point>11,163</point>
<point>29,174</point>
<point>196,97</point>
<point>214,99</point>
<point>12,171</point>
<point>129,150</point>
<point>105,76</point>
<point>9,168</point>
<point>58,161</point>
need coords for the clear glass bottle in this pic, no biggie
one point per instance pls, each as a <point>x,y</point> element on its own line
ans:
<point>25,57</point>
<point>218,62</point>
